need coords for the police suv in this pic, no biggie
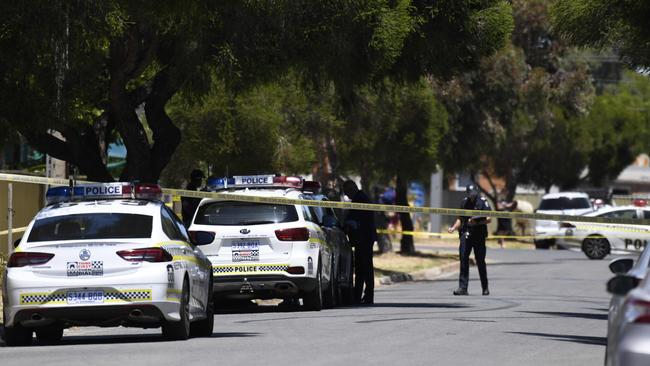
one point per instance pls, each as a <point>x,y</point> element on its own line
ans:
<point>106,255</point>
<point>262,250</point>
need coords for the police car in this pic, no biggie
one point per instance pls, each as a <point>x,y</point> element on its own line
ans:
<point>597,240</point>
<point>106,255</point>
<point>262,250</point>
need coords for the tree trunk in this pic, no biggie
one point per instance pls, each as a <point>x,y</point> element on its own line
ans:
<point>407,246</point>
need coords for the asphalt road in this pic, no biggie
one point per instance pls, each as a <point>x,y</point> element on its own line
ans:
<point>546,308</point>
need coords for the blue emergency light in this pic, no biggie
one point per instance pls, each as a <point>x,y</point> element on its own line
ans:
<point>101,191</point>
<point>254,181</point>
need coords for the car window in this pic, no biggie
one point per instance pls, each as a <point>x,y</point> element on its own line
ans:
<point>92,226</point>
<point>179,224</point>
<point>317,214</point>
<point>625,214</point>
<point>168,225</point>
<point>564,203</point>
<point>244,213</point>
<point>646,214</point>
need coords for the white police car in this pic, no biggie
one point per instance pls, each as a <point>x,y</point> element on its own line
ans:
<point>597,240</point>
<point>106,255</point>
<point>262,250</point>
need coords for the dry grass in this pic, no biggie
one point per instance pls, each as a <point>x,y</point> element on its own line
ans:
<point>390,263</point>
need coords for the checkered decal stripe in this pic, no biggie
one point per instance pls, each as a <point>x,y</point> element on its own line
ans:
<point>60,297</point>
<point>263,268</point>
<point>43,298</point>
<point>128,296</point>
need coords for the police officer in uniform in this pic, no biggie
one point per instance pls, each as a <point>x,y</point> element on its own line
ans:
<point>189,204</point>
<point>472,232</point>
<point>361,229</point>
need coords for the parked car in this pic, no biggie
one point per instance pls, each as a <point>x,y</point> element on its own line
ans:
<point>563,203</point>
<point>628,325</point>
<point>597,240</point>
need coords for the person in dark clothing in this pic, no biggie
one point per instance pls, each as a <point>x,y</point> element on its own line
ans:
<point>360,227</point>
<point>472,232</point>
<point>189,204</point>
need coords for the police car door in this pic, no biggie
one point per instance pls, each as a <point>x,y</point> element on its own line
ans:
<point>185,255</point>
<point>318,238</point>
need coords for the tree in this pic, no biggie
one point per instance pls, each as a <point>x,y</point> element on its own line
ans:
<point>108,69</point>
<point>395,135</point>
<point>622,25</point>
<point>512,115</point>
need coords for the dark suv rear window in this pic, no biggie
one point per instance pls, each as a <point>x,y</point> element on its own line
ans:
<point>92,226</point>
<point>244,213</point>
<point>564,203</point>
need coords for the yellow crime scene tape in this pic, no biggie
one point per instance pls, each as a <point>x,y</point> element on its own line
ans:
<point>444,235</point>
<point>348,205</point>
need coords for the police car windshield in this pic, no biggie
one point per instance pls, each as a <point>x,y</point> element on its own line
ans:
<point>244,213</point>
<point>92,226</point>
<point>564,203</point>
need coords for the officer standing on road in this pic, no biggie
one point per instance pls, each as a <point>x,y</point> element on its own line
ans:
<point>360,227</point>
<point>472,232</point>
<point>189,204</point>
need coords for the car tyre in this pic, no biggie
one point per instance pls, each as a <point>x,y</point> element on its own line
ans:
<point>204,327</point>
<point>543,244</point>
<point>596,247</point>
<point>180,330</point>
<point>17,336</point>
<point>49,335</point>
<point>329,299</point>
<point>313,300</point>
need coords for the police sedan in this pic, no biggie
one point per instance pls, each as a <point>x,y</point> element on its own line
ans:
<point>106,255</point>
<point>597,240</point>
<point>262,250</point>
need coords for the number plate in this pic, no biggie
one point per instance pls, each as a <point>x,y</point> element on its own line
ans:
<point>85,297</point>
<point>246,251</point>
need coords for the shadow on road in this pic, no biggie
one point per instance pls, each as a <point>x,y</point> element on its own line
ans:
<point>596,341</point>
<point>69,340</point>
<point>420,305</point>
<point>569,315</point>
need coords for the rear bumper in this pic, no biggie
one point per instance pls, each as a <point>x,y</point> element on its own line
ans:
<point>150,291</point>
<point>634,346</point>
<point>263,286</point>
<point>133,315</point>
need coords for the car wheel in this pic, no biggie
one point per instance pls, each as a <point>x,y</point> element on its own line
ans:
<point>204,327</point>
<point>329,299</point>
<point>543,244</point>
<point>347,291</point>
<point>595,247</point>
<point>17,336</point>
<point>180,330</point>
<point>49,335</point>
<point>313,299</point>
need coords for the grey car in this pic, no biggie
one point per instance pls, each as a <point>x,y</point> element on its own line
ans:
<point>628,332</point>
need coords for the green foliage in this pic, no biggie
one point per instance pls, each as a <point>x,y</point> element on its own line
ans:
<point>269,128</point>
<point>394,130</point>
<point>619,127</point>
<point>604,23</point>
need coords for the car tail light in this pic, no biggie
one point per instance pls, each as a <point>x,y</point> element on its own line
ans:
<point>200,237</point>
<point>567,225</point>
<point>296,270</point>
<point>21,259</point>
<point>294,234</point>
<point>637,310</point>
<point>145,255</point>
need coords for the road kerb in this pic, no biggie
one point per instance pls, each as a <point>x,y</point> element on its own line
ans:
<point>429,274</point>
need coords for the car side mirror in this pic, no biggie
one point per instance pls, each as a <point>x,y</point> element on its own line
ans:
<point>201,237</point>
<point>621,285</point>
<point>16,242</point>
<point>621,265</point>
<point>330,221</point>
